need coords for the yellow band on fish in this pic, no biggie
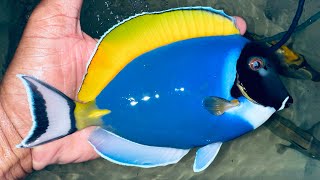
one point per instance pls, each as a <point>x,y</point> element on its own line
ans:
<point>143,33</point>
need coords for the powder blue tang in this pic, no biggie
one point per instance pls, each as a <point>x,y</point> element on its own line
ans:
<point>167,78</point>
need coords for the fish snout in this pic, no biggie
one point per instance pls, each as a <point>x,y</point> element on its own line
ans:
<point>288,102</point>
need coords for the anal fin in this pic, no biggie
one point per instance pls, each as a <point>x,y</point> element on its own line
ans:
<point>124,152</point>
<point>205,155</point>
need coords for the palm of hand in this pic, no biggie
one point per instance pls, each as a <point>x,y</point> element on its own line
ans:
<point>54,49</point>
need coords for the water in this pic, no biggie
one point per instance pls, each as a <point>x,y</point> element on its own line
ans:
<point>251,156</point>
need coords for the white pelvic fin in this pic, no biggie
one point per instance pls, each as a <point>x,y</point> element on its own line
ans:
<point>205,156</point>
<point>51,111</point>
<point>124,152</point>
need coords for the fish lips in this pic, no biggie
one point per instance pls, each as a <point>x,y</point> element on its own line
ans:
<point>276,94</point>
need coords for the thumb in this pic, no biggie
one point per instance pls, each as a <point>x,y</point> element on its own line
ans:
<point>241,24</point>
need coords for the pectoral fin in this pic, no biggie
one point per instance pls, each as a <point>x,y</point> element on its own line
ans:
<point>217,106</point>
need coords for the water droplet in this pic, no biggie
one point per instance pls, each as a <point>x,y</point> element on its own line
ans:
<point>133,103</point>
<point>145,98</point>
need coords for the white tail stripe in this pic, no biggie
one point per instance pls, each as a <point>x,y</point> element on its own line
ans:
<point>57,111</point>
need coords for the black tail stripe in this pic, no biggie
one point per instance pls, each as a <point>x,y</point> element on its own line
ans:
<point>72,106</point>
<point>39,113</point>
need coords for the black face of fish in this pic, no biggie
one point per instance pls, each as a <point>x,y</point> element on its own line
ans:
<point>257,79</point>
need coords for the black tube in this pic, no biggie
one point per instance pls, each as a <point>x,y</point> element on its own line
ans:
<point>291,28</point>
<point>301,27</point>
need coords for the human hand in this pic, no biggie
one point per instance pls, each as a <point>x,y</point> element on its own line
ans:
<point>55,50</point>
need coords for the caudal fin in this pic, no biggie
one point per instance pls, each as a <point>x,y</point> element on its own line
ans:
<point>52,113</point>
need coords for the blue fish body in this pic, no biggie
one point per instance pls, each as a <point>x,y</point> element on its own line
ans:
<point>173,80</point>
<point>160,103</point>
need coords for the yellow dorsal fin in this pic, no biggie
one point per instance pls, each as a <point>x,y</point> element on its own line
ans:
<point>88,114</point>
<point>144,32</point>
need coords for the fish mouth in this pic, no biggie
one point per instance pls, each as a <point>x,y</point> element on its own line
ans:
<point>243,90</point>
<point>287,102</point>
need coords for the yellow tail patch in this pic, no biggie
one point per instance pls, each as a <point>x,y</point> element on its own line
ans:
<point>88,114</point>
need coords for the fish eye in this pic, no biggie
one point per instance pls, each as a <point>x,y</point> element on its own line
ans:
<point>256,63</point>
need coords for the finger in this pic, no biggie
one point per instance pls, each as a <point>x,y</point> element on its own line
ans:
<point>64,7</point>
<point>241,24</point>
<point>53,19</point>
<point>70,149</point>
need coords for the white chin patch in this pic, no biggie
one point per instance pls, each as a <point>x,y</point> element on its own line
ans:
<point>253,113</point>
<point>283,103</point>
